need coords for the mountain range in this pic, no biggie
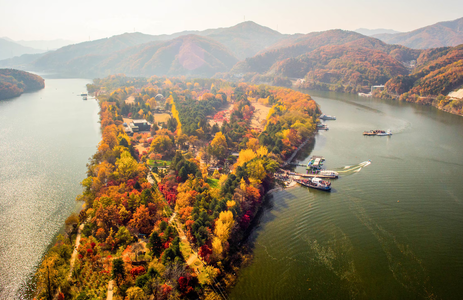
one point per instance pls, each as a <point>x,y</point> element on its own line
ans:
<point>243,51</point>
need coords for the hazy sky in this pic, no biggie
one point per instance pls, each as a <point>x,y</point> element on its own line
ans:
<point>84,19</point>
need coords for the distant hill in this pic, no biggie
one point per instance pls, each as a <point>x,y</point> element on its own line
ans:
<point>14,82</point>
<point>343,65</point>
<point>9,49</point>
<point>54,61</point>
<point>371,32</point>
<point>239,41</point>
<point>441,34</point>
<point>46,45</point>
<point>296,46</point>
<point>246,39</point>
<point>185,55</point>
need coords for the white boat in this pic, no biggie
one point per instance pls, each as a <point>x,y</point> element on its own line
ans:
<point>389,132</point>
<point>327,117</point>
<point>328,173</point>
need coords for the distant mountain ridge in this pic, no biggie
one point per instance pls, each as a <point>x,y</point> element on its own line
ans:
<point>442,34</point>
<point>97,58</point>
<point>242,51</point>
<point>185,55</point>
<point>46,45</point>
<point>9,49</point>
<point>371,32</point>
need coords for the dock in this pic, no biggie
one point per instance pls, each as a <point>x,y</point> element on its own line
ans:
<point>290,175</point>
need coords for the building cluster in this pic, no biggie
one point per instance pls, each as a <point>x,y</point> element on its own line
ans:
<point>136,126</point>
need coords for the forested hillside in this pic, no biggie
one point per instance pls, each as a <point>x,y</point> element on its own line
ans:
<point>355,67</point>
<point>438,72</point>
<point>14,82</point>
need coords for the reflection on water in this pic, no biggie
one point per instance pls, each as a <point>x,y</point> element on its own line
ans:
<point>391,229</point>
<point>46,140</point>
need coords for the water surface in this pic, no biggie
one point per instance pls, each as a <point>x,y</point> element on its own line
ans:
<point>46,138</point>
<point>388,230</point>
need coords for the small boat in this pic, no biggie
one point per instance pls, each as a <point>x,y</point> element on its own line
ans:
<point>327,117</point>
<point>322,127</point>
<point>315,183</point>
<point>85,98</point>
<point>377,132</point>
<point>387,133</point>
<point>329,173</point>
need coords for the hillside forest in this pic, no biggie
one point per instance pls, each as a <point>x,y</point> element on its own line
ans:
<point>14,82</point>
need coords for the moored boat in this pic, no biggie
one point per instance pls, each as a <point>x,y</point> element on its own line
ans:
<point>322,127</point>
<point>315,183</point>
<point>327,117</point>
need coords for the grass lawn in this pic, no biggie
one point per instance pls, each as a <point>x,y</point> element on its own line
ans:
<point>158,163</point>
<point>213,183</point>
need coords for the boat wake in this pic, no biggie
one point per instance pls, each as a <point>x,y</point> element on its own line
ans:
<point>354,168</point>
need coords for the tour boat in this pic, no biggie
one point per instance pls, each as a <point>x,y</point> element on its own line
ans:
<point>315,183</point>
<point>327,117</point>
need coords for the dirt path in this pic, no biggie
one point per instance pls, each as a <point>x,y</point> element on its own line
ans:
<point>76,246</point>
<point>110,290</point>
<point>260,114</point>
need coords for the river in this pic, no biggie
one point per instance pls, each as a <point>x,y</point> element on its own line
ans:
<point>46,139</point>
<point>388,230</point>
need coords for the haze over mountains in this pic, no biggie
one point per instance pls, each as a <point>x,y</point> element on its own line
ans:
<point>441,34</point>
<point>246,49</point>
<point>9,48</point>
<point>371,32</point>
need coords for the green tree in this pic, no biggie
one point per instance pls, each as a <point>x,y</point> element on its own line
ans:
<point>118,273</point>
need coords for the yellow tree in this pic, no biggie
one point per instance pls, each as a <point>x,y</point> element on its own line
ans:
<point>219,147</point>
<point>135,293</point>
<point>126,166</point>
<point>253,144</point>
<point>245,156</point>
<point>223,226</point>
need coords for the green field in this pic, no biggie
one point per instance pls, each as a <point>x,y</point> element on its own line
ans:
<point>158,163</point>
<point>213,183</point>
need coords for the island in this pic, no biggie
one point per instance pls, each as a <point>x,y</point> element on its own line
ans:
<point>15,82</point>
<point>181,171</point>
